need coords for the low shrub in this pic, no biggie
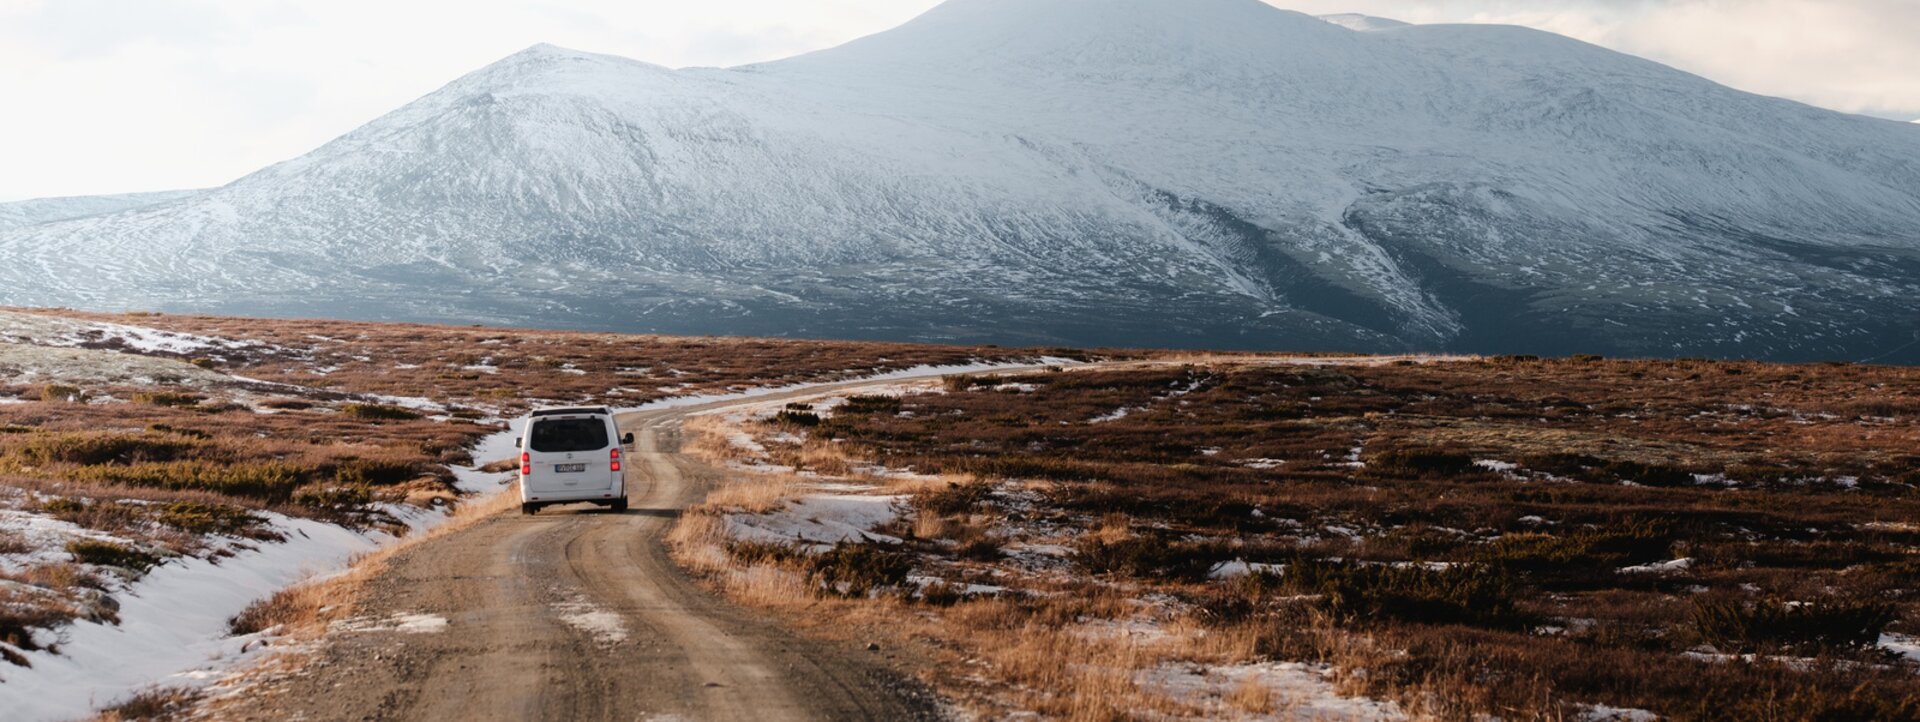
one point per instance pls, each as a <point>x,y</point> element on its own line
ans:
<point>287,606</point>
<point>955,499</point>
<point>200,518</point>
<point>1645,474</point>
<point>1024,466</point>
<point>1147,556</point>
<point>333,496</point>
<point>1420,463</point>
<point>109,554</point>
<point>1735,625</point>
<point>1579,554</point>
<point>870,405</point>
<point>158,703</point>
<point>379,412</point>
<point>371,472</point>
<point>63,506</point>
<point>1562,464</point>
<point>859,570</point>
<point>942,594</point>
<point>1471,595</point>
<point>94,449</point>
<point>169,399</point>
<point>1820,704</point>
<point>11,543</point>
<point>789,417</point>
<point>189,433</point>
<point>54,393</point>
<point>754,552</point>
<point>266,481</point>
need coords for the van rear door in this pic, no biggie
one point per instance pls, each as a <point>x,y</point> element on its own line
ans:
<point>570,455</point>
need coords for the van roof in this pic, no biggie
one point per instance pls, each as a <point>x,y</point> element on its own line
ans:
<point>571,411</point>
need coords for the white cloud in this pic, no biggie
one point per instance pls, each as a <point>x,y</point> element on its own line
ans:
<point>109,96</point>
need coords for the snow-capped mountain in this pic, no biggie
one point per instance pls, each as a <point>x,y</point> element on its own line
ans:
<point>1137,172</point>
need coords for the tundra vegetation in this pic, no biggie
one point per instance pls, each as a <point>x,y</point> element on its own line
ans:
<point>348,423</point>
<point>1511,537</point>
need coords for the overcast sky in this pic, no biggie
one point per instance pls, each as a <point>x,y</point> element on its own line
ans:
<point>104,96</point>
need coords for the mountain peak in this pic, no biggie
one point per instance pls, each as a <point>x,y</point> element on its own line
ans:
<point>549,67</point>
<point>548,52</point>
<point>1101,34</point>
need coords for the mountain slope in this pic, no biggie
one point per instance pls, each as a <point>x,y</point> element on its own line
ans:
<point>1212,172</point>
<point>20,214</point>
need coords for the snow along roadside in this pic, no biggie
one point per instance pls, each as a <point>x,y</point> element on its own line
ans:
<point>173,621</point>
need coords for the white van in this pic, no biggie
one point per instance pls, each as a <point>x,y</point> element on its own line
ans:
<point>572,455</point>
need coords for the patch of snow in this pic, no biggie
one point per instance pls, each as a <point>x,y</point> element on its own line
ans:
<point>820,520</point>
<point>1299,691</point>
<point>971,590</point>
<point>1676,565</point>
<point>1604,713</point>
<point>605,627</point>
<point>1237,568</point>
<point>403,623</point>
<point>416,403</point>
<point>1902,645</point>
<point>173,623</point>
<point>46,538</point>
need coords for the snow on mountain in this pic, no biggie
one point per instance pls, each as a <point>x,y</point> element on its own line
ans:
<point>20,214</point>
<point>1363,23</point>
<point>1137,172</point>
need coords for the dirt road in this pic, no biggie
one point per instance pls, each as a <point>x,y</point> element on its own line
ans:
<point>578,614</point>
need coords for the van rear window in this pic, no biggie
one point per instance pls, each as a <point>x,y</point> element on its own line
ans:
<point>562,435</point>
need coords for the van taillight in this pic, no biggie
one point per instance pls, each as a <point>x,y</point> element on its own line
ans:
<point>526,463</point>
<point>616,458</point>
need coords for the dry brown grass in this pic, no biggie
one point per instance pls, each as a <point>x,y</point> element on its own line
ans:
<point>1258,462</point>
<point>157,704</point>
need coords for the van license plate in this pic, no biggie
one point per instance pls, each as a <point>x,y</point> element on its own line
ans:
<point>569,468</point>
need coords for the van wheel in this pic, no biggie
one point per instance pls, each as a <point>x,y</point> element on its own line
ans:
<point>528,509</point>
<point>620,506</point>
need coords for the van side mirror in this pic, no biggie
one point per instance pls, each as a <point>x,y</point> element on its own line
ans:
<point>628,439</point>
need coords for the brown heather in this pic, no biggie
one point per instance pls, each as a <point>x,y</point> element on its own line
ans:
<point>1459,589</point>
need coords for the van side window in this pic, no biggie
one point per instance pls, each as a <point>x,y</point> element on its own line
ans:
<point>563,435</point>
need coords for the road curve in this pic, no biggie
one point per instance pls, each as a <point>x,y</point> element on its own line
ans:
<point>579,614</point>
